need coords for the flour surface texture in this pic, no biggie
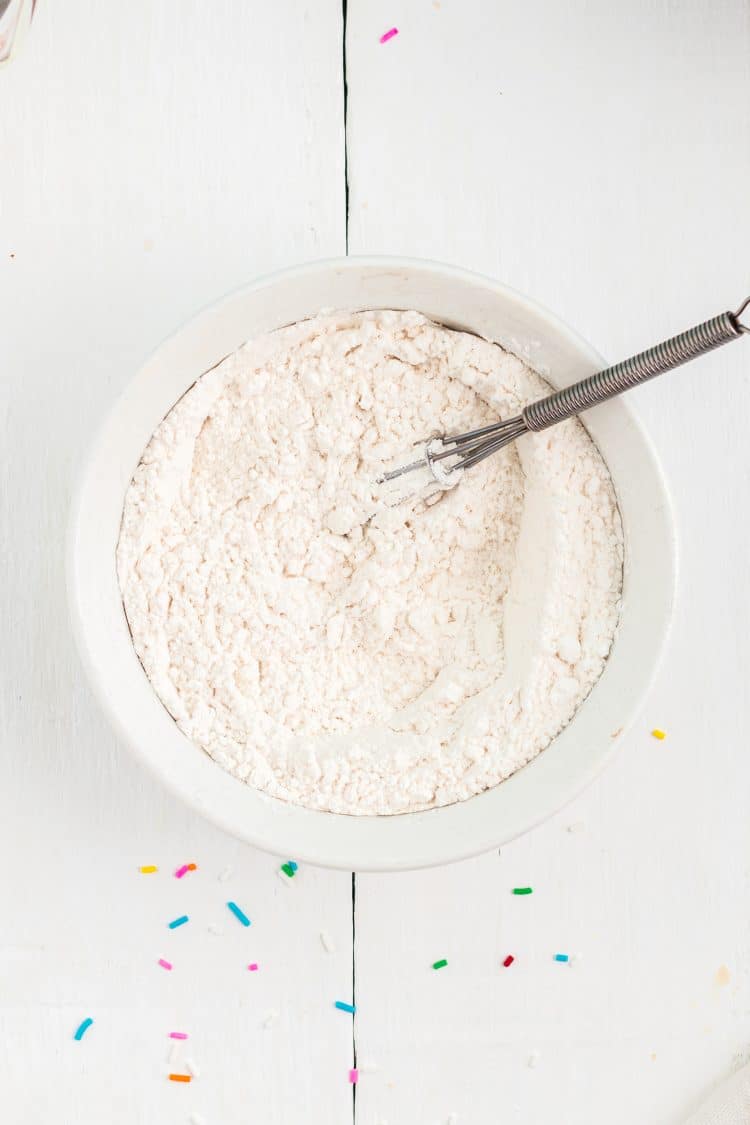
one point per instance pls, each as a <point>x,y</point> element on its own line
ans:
<point>327,647</point>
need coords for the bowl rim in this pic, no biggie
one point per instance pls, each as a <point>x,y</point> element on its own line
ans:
<point>359,854</point>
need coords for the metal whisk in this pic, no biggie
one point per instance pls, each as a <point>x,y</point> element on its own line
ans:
<point>446,454</point>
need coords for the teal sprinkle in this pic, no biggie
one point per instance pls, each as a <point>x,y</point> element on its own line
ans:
<point>82,1029</point>
<point>239,914</point>
<point>561,957</point>
<point>178,922</point>
<point>342,1007</point>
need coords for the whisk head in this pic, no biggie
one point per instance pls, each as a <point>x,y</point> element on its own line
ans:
<point>446,456</point>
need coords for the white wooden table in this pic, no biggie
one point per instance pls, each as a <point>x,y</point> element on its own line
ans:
<point>157,153</point>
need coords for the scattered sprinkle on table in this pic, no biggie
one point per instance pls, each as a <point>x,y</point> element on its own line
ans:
<point>192,1069</point>
<point>253,968</point>
<point>184,869</point>
<point>327,942</point>
<point>180,1078</point>
<point>388,34</point>
<point>178,1035</point>
<point>164,964</point>
<point>561,957</point>
<point>214,929</point>
<point>509,960</point>
<point>660,734</point>
<point>523,891</point>
<point>196,1119</point>
<point>82,1029</point>
<point>343,1007</point>
<point>353,1075</point>
<point>288,870</point>
<point>225,874</point>
<point>149,869</point>
<point>533,1059</point>
<point>577,826</point>
<point>439,964</point>
<point>174,1053</point>
<point>178,922</point>
<point>239,914</point>
<point>270,1019</point>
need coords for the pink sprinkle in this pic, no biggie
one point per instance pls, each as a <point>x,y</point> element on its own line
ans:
<point>176,1034</point>
<point>384,39</point>
<point>184,870</point>
<point>253,968</point>
<point>164,964</point>
<point>353,1076</point>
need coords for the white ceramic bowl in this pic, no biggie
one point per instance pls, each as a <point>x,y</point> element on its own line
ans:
<point>460,300</point>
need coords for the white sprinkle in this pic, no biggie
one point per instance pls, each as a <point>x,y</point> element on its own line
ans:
<point>327,942</point>
<point>191,1068</point>
<point>225,874</point>
<point>576,827</point>
<point>533,1059</point>
<point>368,1067</point>
<point>270,1019</point>
<point>174,1053</point>
<point>214,929</point>
<point>284,878</point>
<point>576,958</point>
<point>452,1119</point>
<point>196,1119</point>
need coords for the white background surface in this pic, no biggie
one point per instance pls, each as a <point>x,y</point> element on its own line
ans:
<point>157,153</point>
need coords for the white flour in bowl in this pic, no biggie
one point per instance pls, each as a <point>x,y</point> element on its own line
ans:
<point>339,653</point>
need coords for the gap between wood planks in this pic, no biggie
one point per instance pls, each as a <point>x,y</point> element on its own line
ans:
<point>346,246</point>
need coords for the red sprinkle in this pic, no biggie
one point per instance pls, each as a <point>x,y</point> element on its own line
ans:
<point>388,35</point>
<point>509,960</point>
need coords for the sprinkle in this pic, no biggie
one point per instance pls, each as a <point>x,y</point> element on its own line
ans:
<point>577,826</point>
<point>180,1078</point>
<point>293,865</point>
<point>82,1029</point>
<point>184,869</point>
<point>149,869</point>
<point>576,958</point>
<point>164,964</point>
<point>439,964</point>
<point>270,1019</point>
<point>288,870</point>
<point>174,1053</point>
<point>561,957</point>
<point>452,1119</point>
<point>388,35</point>
<point>522,891</point>
<point>342,1007</point>
<point>225,874</point>
<point>533,1059</point>
<point>660,734</point>
<point>327,942</point>
<point>239,914</point>
<point>177,1035</point>
<point>196,1119</point>
<point>214,929</point>
<point>509,960</point>
<point>178,922</point>
<point>253,968</point>
<point>192,1069</point>
<point>353,1075</point>
<point>286,880</point>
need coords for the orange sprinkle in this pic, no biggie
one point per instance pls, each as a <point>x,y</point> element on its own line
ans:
<point>180,1078</point>
<point>192,867</point>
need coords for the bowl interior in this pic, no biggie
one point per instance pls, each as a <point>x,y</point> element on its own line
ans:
<point>459,300</point>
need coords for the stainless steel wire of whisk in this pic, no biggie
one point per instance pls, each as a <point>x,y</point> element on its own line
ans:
<point>446,454</point>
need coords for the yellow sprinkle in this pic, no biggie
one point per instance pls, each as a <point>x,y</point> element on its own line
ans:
<point>149,869</point>
<point>658,734</point>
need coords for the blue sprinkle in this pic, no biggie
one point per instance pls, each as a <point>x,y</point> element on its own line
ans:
<point>561,957</point>
<point>179,922</point>
<point>342,1007</point>
<point>83,1029</point>
<point>239,914</point>
<point>293,865</point>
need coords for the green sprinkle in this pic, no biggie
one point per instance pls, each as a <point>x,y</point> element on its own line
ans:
<point>439,964</point>
<point>288,869</point>
<point>522,891</point>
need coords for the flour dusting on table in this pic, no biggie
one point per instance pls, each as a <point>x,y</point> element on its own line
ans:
<point>338,652</point>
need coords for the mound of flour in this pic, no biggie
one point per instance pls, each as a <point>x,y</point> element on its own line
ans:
<point>332,650</point>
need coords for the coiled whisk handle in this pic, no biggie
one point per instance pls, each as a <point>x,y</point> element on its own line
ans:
<point>638,369</point>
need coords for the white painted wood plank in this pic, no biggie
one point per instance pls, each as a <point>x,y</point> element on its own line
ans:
<point>152,156</point>
<point>597,158</point>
